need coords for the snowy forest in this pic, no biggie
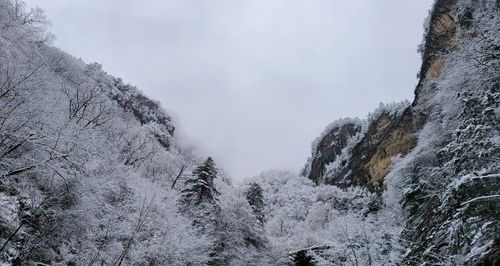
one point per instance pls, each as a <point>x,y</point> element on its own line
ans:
<point>92,173</point>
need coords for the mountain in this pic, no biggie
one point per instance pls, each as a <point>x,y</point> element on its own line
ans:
<point>88,163</point>
<point>442,149</point>
<point>91,170</point>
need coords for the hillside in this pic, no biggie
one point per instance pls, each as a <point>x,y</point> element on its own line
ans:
<point>92,172</point>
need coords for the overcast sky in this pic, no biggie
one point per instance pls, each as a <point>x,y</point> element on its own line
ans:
<point>252,82</point>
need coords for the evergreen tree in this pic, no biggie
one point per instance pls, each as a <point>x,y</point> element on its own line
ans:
<point>201,188</point>
<point>256,201</point>
<point>200,202</point>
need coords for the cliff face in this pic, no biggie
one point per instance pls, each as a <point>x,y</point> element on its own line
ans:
<point>387,136</point>
<point>446,141</point>
<point>439,39</point>
<point>451,195</point>
<point>355,152</point>
<point>329,148</point>
<point>390,135</point>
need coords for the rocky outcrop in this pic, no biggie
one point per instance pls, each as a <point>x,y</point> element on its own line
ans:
<point>451,197</point>
<point>451,174</point>
<point>389,135</point>
<point>439,39</point>
<point>329,147</point>
<point>360,153</point>
<point>148,112</point>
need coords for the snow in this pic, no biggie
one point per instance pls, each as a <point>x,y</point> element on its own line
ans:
<point>489,197</point>
<point>479,251</point>
<point>9,208</point>
<point>455,184</point>
<point>328,129</point>
<point>301,216</point>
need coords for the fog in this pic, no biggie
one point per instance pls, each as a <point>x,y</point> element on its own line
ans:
<point>251,82</point>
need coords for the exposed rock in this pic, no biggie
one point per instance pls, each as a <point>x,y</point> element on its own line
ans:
<point>147,111</point>
<point>391,135</point>
<point>435,69</point>
<point>387,136</point>
<point>439,40</point>
<point>440,36</point>
<point>329,148</point>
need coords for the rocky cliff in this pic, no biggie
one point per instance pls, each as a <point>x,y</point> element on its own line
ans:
<point>388,135</point>
<point>444,145</point>
<point>355,152</point>
<point>328,148</point>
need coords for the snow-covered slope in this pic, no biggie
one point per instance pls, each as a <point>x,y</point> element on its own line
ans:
<point>90,170</point>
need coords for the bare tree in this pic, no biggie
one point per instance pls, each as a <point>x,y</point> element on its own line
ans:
<point>136,149</point>
<point>86,104</point>
<point>19,125</point>
<point>179,175</point>
<point>32,22</point>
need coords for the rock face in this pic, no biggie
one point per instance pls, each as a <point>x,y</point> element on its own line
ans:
<point>145,110</point>
<point>439,39</point>
<point>329,148</point>
<point>387,136</point>
<point>361,152</point>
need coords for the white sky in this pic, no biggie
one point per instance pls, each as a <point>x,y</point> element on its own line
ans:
<point>252,82</point>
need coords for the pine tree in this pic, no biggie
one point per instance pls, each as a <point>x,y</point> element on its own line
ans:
<point>256,201</point>
<point>200,203</point>
<point>201,188</point>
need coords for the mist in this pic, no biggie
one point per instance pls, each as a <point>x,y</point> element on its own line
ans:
<point>251,82</point>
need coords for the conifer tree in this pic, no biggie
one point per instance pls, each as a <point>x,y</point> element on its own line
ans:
<point>200,202</point>
<point>256,201</point>
<point>201,188</point>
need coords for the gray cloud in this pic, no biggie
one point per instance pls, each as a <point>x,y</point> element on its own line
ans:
<point>253,81</point>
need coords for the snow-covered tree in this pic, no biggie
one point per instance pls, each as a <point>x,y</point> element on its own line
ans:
<point>199,200</point>
<point>240,233</point>
<point>256,200</point>
<point>201,188</point>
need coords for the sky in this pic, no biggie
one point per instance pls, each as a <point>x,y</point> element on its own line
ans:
<point>251,82</point>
